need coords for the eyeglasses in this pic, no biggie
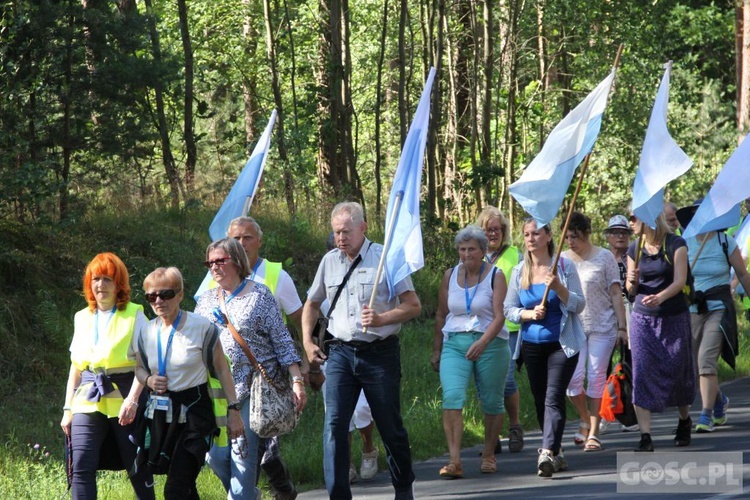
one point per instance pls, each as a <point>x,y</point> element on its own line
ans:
<point>163,295</point>
<point>633,218</point>
<point>493,230</point>
<point>219,262</point>
<point>622,234</point>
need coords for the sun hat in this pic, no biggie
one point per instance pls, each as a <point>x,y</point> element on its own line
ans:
<point>685,214</point>
<point>618,222</point>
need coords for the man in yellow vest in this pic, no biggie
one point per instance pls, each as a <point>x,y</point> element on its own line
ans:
<point>248,232</point>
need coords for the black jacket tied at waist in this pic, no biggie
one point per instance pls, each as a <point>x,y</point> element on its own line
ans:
<point>103,384</point>
<point>730,345</point>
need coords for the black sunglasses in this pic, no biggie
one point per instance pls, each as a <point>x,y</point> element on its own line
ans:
<point>163,295</point>
<point>633,218</point>
<point>219,262</point>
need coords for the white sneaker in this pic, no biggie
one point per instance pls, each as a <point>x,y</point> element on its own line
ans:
<point>604,425</point>
<point>630,428</point>
<point>545,464</point>
<point>353,477</point>
<point>369,464</point>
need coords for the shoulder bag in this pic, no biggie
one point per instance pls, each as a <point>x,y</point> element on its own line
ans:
<point>321,325</point>
<point>272,409</point>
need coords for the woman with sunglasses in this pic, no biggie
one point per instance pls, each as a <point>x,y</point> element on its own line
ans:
<point>551,334</point>
<point>176,354</point>
<point>102,397</point>
<point>660,339</point>
<point>255,314</point>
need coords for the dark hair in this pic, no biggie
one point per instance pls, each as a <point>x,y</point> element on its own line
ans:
<point>579,223</point>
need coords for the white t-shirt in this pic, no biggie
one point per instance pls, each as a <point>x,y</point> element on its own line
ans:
<point>185,365</point>
<point>597,275</point>
<point>285,294</point>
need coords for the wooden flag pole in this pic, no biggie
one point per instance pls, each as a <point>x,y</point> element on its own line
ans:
<point>386,245</point>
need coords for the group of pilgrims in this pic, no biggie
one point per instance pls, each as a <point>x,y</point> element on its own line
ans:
<point>140,393</point>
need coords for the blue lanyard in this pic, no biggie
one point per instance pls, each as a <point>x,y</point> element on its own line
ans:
<point>96,323</point>
<point>234,293</point>
<point>469,300</point>
<point>255,268</point>
<point>163,360</point>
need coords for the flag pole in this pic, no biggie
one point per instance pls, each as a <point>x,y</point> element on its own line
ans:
<point>386,245</point>
<point>582,174</point>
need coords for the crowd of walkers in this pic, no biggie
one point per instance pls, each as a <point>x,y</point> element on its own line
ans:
<point>139,393</point>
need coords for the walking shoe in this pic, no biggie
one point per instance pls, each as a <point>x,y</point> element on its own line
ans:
<point>369,464</point>
<point>515,439</point>
<point>353,477</point>
<point>704,424</point>
<point>604,425</point>
<point>452,471</point>
<point>560,462</point>
<point>682,432</point>
<point>630,428</point>
<point>646,444</point>
<point>545,464</point>
<point>720,411</point>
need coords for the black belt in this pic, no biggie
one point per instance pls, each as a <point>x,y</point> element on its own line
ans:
<point>362,344</point>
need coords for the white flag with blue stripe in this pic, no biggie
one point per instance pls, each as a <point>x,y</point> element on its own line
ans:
<point>662,160</point>
<point>405,253</point>
<point>541,188</point>
<point>240,197</point>
<point>720,208</point>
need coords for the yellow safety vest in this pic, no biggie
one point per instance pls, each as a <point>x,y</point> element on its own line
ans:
<point>109,355</point>
<point>506,262</point>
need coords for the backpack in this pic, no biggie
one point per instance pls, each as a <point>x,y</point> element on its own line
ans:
<point>689,288</point>
<point>617,399</point>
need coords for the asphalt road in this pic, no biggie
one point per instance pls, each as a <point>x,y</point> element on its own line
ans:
<point>589,474</point>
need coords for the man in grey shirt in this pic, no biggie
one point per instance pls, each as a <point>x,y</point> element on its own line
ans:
<point>365,353</point>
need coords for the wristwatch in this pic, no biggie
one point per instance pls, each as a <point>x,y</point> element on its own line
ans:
<point>233,405</point>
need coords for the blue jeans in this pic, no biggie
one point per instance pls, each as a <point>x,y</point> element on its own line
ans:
<point>376,369</point>
<point>238,472</point>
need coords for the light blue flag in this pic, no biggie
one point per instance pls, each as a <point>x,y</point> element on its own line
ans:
<point>662,160</point>
<point>404,253</point>
<point>721,206</point>
<point>241,195</point>
<point>543,184</point>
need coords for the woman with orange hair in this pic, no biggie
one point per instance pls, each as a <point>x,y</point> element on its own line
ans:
<point>102,395</point>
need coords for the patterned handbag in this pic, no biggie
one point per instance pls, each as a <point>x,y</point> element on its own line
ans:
<point>272,409</point>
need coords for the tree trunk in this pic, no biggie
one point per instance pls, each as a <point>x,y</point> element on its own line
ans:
<point>402,97</point>
<point>293,62</point>
<point>743,66</point>
<point>189,126</point>
<point>166,148</point>
<point>436,108</point>
<point>271,49</point>
<point>379,112</point>
<point>485,151</point>
<point>249,83</point>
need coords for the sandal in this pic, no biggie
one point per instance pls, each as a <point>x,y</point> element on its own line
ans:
<point>452,471</point>
<point>593,443</point>
<point>489,465</point>
<point>579,438</point>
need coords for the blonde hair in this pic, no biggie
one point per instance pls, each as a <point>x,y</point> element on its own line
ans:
<point>488,213</point>
<point>527,262</point>
<point>169,276</point>
<point>657,235</point>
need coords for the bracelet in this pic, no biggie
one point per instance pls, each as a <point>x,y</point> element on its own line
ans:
<point>130,402</point>
<point>622,329</point>
<point>146,381</point>
<point>66,408</point>
<point>314,372</point>
<point>298,380</point>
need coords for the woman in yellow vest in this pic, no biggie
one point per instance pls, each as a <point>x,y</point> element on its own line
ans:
<point>503,255</point>
<point>102,397</point>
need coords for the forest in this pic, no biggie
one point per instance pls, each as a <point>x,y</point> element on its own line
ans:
<point>124,104</point>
